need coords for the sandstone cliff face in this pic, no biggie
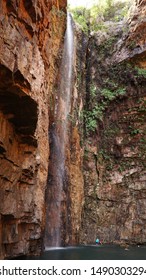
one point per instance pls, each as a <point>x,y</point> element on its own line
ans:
<point>30,39</point>
<point>115,151</point>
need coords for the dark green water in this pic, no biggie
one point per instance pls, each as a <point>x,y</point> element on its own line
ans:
<point>103,252</point>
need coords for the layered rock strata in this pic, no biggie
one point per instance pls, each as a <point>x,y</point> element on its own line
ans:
<point>30,40</point>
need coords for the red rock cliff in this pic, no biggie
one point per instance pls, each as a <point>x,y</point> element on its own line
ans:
<point>115,147</point>
<point>31,33</point>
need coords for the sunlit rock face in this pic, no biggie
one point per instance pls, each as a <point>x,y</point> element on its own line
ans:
<point>133,43</point>
<point>115,148</point>
<point>31,33</point>
<point>137,34</point>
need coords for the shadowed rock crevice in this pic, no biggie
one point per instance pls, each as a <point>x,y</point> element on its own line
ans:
<point>30,7</point>
<point>20,109</point>
<point>11,6</point>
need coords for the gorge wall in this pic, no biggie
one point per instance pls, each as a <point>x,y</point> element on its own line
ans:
<point>30,46</point>
<point>115,133</point>
<point>105,155</point>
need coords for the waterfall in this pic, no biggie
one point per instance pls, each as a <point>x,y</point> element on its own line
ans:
<point>56,188</point>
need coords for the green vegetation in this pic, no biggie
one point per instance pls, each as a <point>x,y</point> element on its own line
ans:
<point>110,95</point>
<point>112,86</point>
<point>124,165</point>
<point>140,72</point>
<point>91,116</point>
<point>104,154</point>
<point>135,132</point>
<point>92,90</point>
<point>94,19</point>
<point>81,16</point>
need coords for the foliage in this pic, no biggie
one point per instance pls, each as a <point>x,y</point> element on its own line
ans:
<point>113,86</point>
<point>91,116</point>
<point>81,16</point>
<point>111,94</point>
<point>134,131</point>
<point>94,19</point>
<point>140,72</point>
<point>93,90</point>
<point>108,94</point>
<point>104,154</point>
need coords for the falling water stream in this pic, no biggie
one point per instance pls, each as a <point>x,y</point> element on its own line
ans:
<point>55,195</point>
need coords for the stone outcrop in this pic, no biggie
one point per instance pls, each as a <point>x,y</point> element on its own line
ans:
<point>31,35</point>
<point>133,44</point>
<point>115,151</point>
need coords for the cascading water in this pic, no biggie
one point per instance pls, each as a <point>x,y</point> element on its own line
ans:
<point>56,189</point>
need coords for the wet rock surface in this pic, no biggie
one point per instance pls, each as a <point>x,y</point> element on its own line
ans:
<point>65,188</point>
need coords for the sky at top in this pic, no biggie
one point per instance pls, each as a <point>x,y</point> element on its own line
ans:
<point>84,3</point>
<point>88,3</point>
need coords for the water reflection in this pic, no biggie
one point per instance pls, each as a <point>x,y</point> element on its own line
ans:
<point>104,252</point>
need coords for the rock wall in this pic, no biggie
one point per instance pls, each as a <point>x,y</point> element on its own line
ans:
<point>31,34</point>
<point>115,151</point>
<point>76,188</point>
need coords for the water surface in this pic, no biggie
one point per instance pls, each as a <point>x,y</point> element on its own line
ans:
<point>93,252</point>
